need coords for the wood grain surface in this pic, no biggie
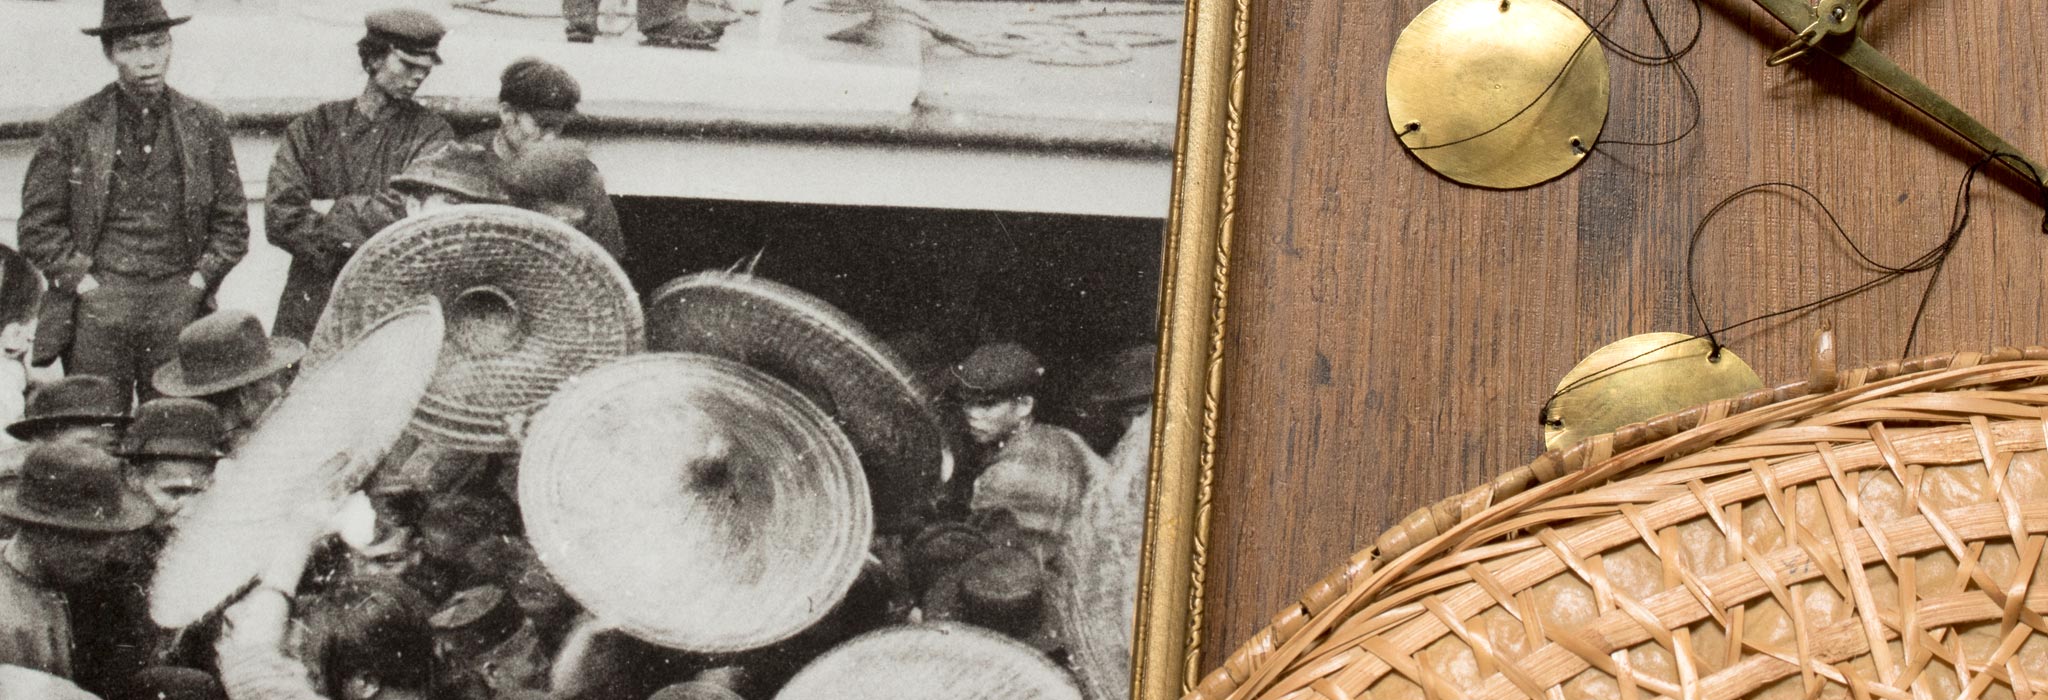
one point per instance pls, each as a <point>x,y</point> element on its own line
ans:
<point>1393,334</point>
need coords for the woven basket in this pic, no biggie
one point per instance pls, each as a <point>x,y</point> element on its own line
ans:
<point>1873,533</point>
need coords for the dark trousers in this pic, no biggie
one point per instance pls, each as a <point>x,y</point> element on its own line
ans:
<point>655,16</point>
<point>127,327</point>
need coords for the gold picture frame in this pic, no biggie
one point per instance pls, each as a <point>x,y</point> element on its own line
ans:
<point>1193,323</point>
<point>309,59</point>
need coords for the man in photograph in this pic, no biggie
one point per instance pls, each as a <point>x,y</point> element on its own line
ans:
<point>349,150</point>
<point>226,360</point>
<point>171,449</point>
<point>676,24</point>
<point>558,179</point>
<point>132,207</point>
<point>541,172</point>
<point>72,509</point>
<point>1032,471</point>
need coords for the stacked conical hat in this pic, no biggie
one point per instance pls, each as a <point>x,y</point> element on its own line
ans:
<point>694,502</point>
<point>819,350</point>
<point>530,303</point>
<point>319,443</point>
<point>944,661</point>
<point>1096,596</point>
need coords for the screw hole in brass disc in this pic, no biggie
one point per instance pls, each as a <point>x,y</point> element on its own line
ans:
<point>1608,389</point>
<point>1482,91</point>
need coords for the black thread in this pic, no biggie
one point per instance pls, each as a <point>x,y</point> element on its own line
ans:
<point>1931,261</point>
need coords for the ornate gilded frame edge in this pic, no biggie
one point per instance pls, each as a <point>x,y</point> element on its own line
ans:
<point>1166,647</point>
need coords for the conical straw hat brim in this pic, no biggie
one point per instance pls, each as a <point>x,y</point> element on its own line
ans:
<point>945,661</point>
<point>819,350</point>
<point>1096,596</point>
<point>571,308</point>
<point>694,502</point>
<point>315,446</point>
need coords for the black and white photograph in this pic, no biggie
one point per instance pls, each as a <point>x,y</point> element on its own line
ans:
<point>595,349</point>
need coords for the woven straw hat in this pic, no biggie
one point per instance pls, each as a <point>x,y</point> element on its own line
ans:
<point>944,661</point>
<point>530,302</point>
<point>21,682</point>
<point>693,502</point>
<point>318,443</point>
<point>1871,533</point>
<point>1095,599</point>
<point>823,353</point>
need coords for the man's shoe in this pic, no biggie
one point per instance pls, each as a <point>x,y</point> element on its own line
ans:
<point>702,38</point>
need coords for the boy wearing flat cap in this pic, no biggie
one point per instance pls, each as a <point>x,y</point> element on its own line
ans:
<point>541,172</point>
<point>349,150</point>
<point>1033,471</point>
<point>132,206</point>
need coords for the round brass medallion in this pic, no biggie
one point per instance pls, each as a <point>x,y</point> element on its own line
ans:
<point>1489,93</point>
<point>1658,380</point>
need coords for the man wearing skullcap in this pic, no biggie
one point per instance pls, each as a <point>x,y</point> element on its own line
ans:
<point>132,206</point>
<point>347,151</point>
<point>556,178</point>
<point>536,101</point>
<point>1033,471</point>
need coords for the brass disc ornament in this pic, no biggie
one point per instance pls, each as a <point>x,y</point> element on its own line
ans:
<point>1498,93</point>
<point>1638,378</point>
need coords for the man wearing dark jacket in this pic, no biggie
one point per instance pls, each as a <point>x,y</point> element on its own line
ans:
<point>132,206</point>
<point>348,150</point>
<point>536,101</point>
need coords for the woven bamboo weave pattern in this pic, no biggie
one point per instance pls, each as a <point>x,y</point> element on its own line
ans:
<point>829,357</point>
<point>1873,533</point>
<point>530,303</point>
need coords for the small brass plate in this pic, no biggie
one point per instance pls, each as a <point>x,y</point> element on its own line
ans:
<point>1667,380</point>
<point>1465,66</point>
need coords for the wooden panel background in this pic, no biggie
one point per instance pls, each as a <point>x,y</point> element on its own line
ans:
<point>1392,334</point>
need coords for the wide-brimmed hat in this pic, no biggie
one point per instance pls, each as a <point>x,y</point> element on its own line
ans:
<point>123,17</point>
<point>530,302</point>
<point>1124,377</point>
<point>175,427</point>
<point>465,169</point>
<point>318,444</point>
<point>943,661</point>
<point>80,399</point>
<point>74,487</point>
<point>819,350</point>
<point>694,502</point>
<point>223,350</point>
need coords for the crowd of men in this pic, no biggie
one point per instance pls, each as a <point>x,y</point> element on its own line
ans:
<point>132,215</point>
